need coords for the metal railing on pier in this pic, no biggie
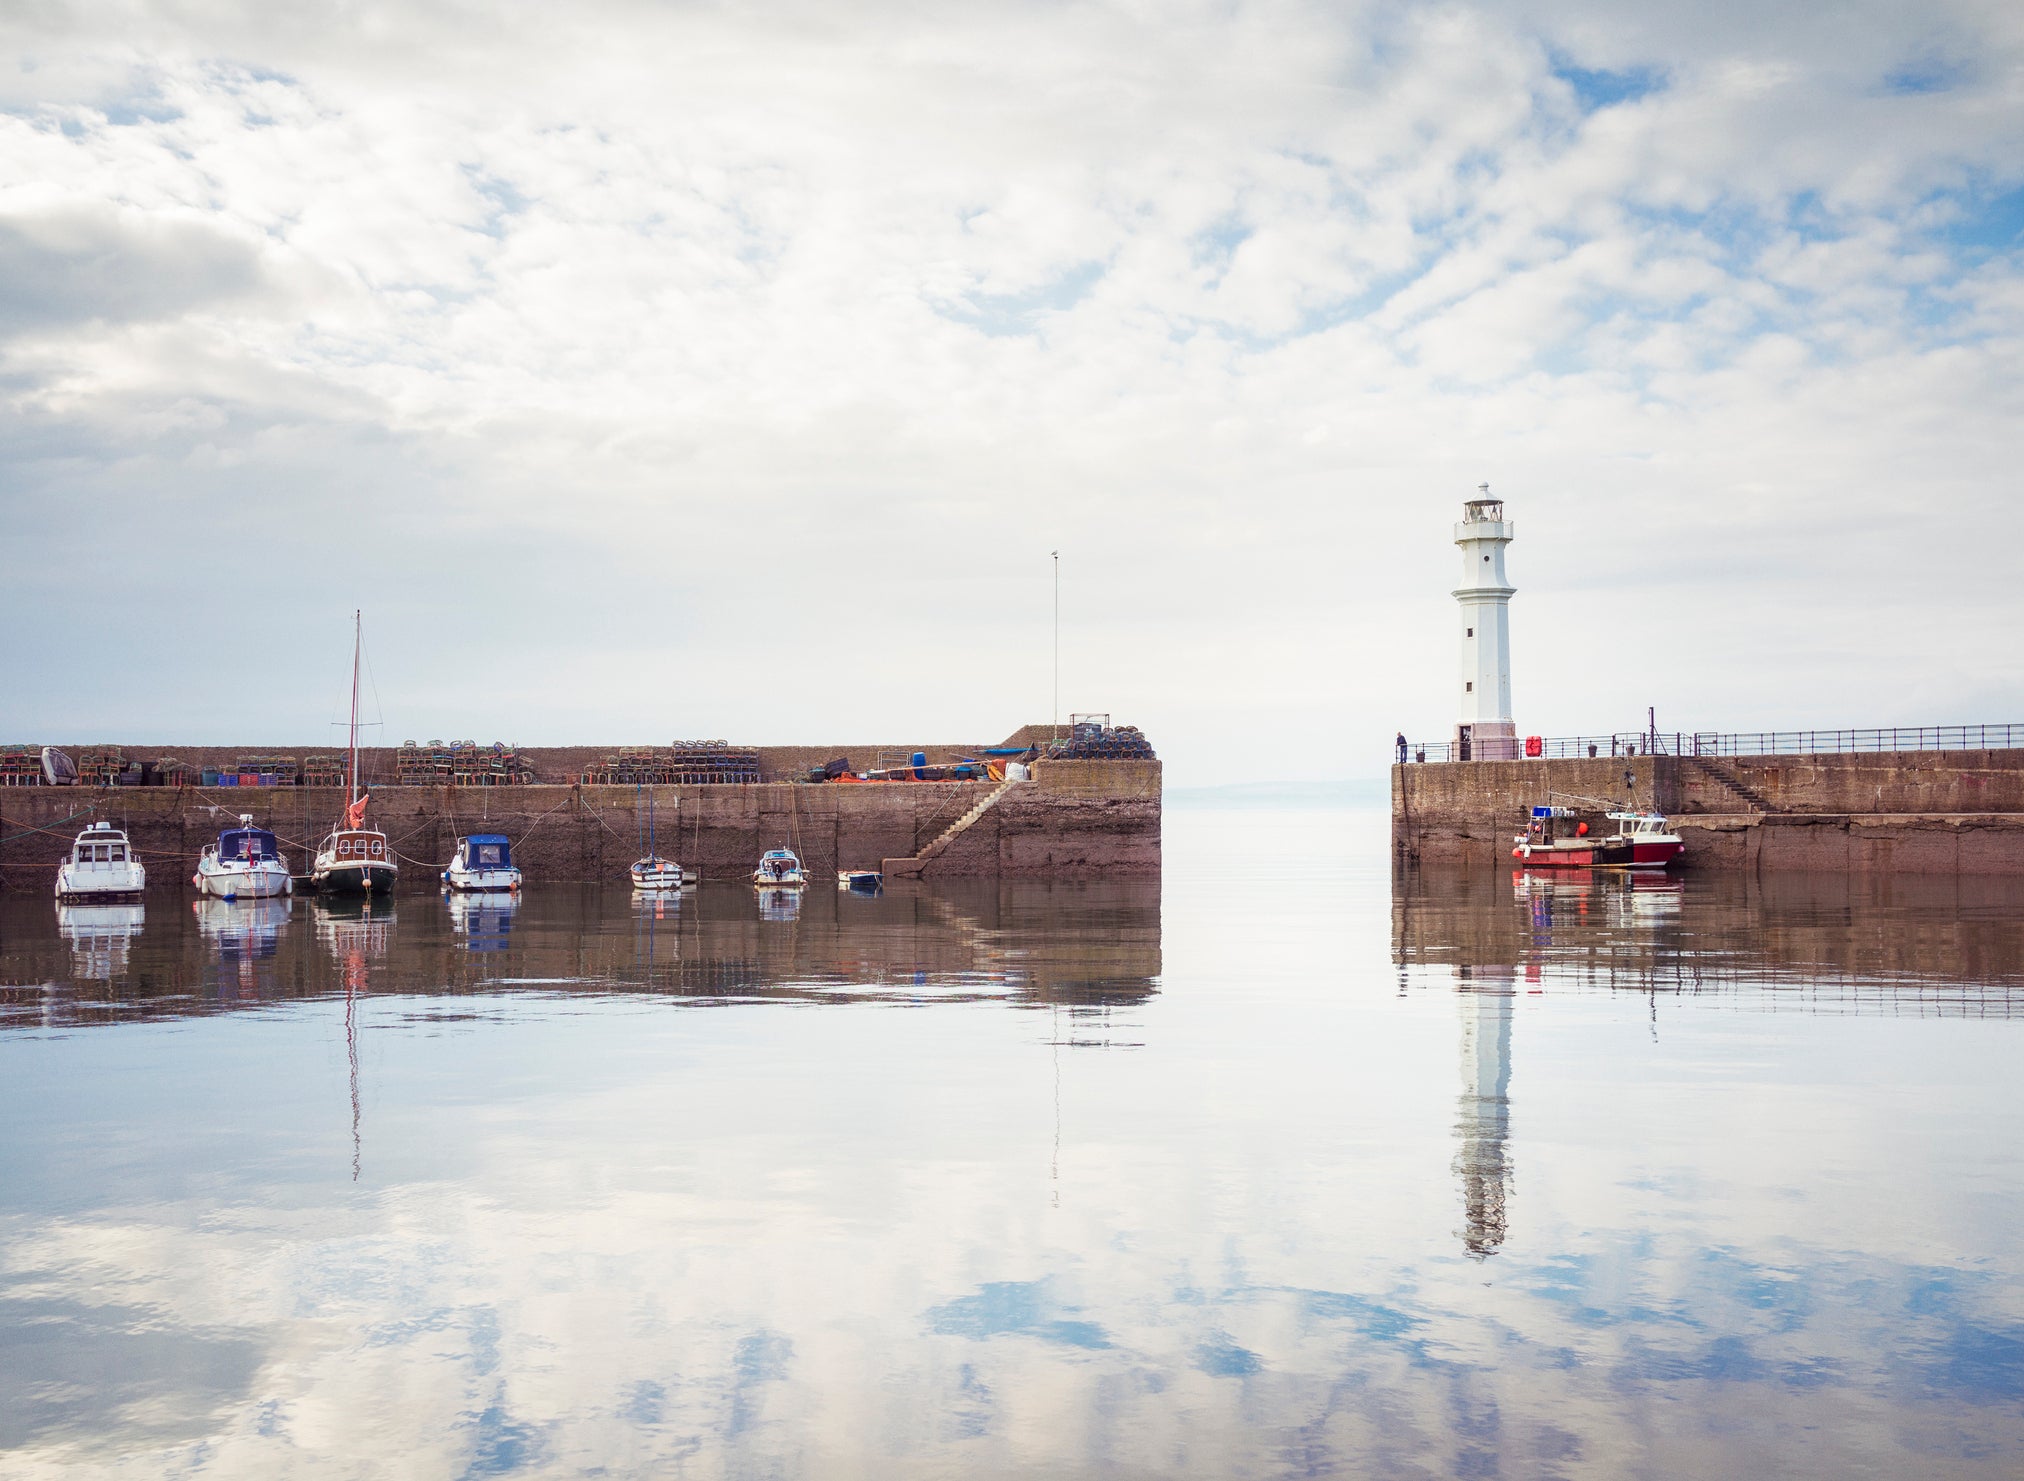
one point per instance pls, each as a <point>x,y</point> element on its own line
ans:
<point>1733,743</point>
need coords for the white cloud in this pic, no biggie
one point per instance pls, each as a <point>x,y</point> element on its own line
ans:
<point>860,316</point>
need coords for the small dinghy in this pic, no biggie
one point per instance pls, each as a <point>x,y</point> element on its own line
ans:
<point>779,869</point>
<point>484,861</point>
<point>244,864</point>
<point>656,873</point>
<point>860,881</point>
<point>102,868</point>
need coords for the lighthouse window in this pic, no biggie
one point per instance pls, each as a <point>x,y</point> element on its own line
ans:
<point>1472,632</point>
<point>1469,687</point>
<point>1486,557</point>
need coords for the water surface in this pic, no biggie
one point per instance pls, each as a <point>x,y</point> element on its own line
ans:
<point>1275,1167</point>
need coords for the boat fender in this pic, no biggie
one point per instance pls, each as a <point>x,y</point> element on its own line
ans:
<point>1581,830</point>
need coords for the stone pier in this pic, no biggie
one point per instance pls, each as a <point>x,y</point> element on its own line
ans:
<point>1937,812</point>
<point>1074,818</point>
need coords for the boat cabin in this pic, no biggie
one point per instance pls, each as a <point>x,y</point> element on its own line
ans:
<point>250,844</point>
<point>358,845</point>
<point>1641,824</point>
<point>485,851</point>
<point>99,844</point>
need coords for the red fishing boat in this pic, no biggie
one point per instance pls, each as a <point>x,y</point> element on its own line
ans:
<point>1558,838</point>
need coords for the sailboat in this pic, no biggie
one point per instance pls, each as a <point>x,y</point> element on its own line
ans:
<point>354,859</point>
<point>653,872</point>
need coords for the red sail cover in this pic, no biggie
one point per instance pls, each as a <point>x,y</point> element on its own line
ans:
<point>354,816</point>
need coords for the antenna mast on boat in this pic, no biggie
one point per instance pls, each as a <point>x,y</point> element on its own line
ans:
<point>357,636</point>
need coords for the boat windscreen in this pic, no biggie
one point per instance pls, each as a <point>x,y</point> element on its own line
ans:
<point>247,843</point>
<point>488,851</point>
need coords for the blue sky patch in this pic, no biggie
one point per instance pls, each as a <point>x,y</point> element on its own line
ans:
<point>1595,89</point>
<point>1987,222</point>
<point>1003,314</point>
<point>1925,75</point>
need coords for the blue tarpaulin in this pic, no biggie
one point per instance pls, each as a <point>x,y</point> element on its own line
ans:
<point>488,851</point>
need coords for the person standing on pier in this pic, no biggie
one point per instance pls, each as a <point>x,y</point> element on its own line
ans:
<point>1402,748</point>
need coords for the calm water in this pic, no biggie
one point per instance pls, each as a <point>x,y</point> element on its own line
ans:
<point>1269,1169</point>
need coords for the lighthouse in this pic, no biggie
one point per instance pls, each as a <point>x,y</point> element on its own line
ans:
<point>1485,731</point>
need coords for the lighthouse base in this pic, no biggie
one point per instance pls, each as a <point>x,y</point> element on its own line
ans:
<point>1486,740</point>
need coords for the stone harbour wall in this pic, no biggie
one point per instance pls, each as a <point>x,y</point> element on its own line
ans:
<point>1944,812</point>
<point>1087,818</point>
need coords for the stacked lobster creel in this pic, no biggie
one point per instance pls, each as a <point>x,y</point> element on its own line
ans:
<point>20,766</point>
<point>462,763</point>
<point>712,762</point>
<point>1104,743</point>
<point>106,766</point>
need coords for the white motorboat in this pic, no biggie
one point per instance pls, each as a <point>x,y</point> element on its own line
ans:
<point>102,867</point>
<point>244,864</point>
<point>779,869</point>
<point>483,862</point>
<point>656,873</point>
<point>354,859</point>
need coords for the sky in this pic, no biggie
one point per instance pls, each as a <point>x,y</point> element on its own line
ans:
<point>648,371</point>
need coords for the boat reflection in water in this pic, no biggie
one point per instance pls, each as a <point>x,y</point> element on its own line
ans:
<point>354,927</point>
<point>100,937</point>
<point>483,921</point>
<point>244,936</point>
<point>1093,945</point>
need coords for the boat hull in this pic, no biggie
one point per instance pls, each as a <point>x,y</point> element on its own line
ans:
<point>481,881</point>
<point>352,877</point>
<point>263,881</point>
<point>1602,854</point>
<point>660,875</point>
<point>100,883</point>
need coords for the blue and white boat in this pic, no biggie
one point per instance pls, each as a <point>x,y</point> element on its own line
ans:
<point>245,863</point>
<point>484,861</point>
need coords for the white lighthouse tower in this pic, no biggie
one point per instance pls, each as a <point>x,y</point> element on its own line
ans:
<point>1485,731</point>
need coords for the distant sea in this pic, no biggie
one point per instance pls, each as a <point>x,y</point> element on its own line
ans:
<point>1355,792</point>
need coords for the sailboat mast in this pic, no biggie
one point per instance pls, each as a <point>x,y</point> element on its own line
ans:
<point>357,633</point>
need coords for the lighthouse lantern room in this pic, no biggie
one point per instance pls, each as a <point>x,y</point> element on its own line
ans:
<point>1485,731</point>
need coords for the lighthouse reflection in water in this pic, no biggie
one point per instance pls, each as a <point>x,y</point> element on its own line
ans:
<point>1240,1171</point>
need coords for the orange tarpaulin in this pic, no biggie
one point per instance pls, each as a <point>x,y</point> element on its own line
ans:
<point>354,816</point>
